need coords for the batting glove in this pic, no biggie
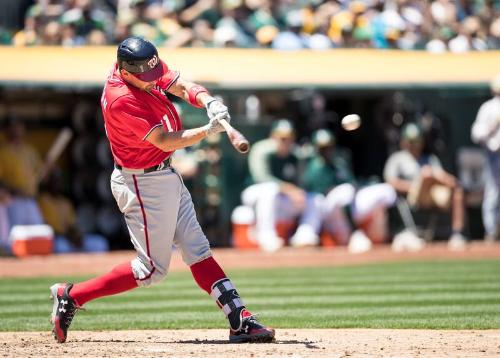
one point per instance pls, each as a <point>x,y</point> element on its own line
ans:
<point>214,126</point>
<point>216,108</point>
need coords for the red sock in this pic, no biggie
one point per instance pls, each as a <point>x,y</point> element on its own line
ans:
<point>206,273</point>
<point>120,279</point>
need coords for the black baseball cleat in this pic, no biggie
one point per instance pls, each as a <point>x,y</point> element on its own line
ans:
<point>251,331</point>
<point>63,310</point>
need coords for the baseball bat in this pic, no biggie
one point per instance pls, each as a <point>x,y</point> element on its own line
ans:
<point>55,151</point>
<point>238,140</point>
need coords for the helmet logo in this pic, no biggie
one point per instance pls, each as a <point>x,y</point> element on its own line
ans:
<point>153,62</point>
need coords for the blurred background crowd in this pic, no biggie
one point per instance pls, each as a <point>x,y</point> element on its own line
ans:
<point>433,25</point>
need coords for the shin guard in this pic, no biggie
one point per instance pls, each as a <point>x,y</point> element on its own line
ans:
<point>229,301</point>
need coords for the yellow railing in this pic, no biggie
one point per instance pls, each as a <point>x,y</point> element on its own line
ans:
<point>257,68</point>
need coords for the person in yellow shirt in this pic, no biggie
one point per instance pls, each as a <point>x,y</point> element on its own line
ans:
<point>19,167</point>
<point>59,212</point>
<point>4,219</point>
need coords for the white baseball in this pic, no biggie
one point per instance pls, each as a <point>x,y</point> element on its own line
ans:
<point>351,122</point>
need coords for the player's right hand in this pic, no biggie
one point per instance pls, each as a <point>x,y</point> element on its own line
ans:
<point>216,108</point>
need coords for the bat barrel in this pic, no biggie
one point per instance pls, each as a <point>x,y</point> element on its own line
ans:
<point>238,140</point>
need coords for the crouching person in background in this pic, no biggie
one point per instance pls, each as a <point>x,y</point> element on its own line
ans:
<point>329,172</point>
<point>276,195</point>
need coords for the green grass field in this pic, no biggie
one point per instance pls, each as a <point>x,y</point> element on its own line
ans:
<point>446,294</point>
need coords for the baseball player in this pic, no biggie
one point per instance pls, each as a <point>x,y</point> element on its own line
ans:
<point>329,172</point>
<point>144,130</point>
<point>486,131</point>
<point>421,178</point>
<point>276,194</point>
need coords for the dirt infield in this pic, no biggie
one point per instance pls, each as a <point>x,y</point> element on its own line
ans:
<point>90,264</point>
<point>289,343</point>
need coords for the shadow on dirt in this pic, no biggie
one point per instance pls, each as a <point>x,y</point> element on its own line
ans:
<point>306,344</point>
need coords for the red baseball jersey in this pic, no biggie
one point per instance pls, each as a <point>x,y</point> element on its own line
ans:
<point>130,114</point>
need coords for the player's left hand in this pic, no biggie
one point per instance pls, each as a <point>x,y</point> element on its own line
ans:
<point>214,126</point>
<point>216,109</point>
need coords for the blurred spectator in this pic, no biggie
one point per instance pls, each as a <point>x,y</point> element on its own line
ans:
<point>292,37</point>
<point>20,166</point>
<point>231,29</point>
<point>493,39</point>
<point>51,34</point>
<point>4,219</point>
<point>58,212</point>
<point>13,12</point>
<point>329,173</point>
<point>421,178</point>
<point>469,37</point>
<point>85,16</point>
<point>33,27</point>
<point>203,34</point>
<point>436,25</point>
<point>486,131</point>
<point>276,196</point>
<point>96,38</point>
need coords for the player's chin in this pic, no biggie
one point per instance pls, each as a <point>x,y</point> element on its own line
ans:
<point>148,86</point>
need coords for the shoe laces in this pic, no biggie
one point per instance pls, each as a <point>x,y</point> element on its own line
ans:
<point>70,314</point>
<point>71,310</point>
<point>251,319</point>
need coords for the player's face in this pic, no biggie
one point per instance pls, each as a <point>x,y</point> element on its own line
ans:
<point>285,144</point>
<point>130,78</point>
<point>327,151</point>
<point>415,147</point>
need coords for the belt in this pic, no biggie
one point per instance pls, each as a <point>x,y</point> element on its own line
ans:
<point>163,165</point>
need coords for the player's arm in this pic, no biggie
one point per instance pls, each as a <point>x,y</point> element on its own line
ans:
<point>391,175</point>
<point>169,141</point>
<point>484,127</point>
<point>400,185</point>
<point>194,94</point>
<point>190,92</point>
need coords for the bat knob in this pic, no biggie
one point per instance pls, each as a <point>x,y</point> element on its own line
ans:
<point>244,147</point>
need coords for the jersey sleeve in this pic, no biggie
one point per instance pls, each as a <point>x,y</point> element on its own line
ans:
<point>481,126</point>
<point>169,79</point>
<point>258,163</point>
<point>391,167</point>
<point>134,117</point>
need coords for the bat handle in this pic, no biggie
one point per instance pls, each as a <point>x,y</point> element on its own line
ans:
<point>226,125</point>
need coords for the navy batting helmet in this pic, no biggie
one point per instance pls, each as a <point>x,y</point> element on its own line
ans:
<point>140,57</point>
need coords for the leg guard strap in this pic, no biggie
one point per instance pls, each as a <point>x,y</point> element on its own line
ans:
<point>229,300</point>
